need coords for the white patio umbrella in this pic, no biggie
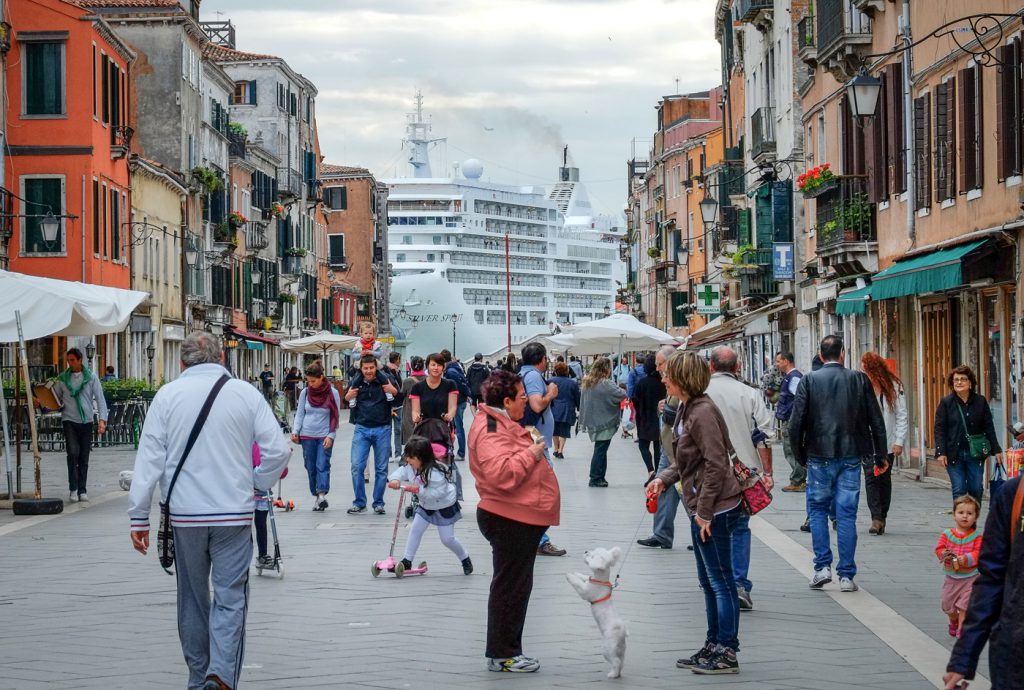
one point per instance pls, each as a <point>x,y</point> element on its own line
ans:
<point>616,333</point>
<point>321,343</point>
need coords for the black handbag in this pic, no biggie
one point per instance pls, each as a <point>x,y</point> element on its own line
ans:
<point>165,535</point>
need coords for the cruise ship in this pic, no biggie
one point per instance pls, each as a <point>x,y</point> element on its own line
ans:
<point>452,284</point>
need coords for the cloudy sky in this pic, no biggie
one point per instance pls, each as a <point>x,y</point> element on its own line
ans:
<point>508,82</point>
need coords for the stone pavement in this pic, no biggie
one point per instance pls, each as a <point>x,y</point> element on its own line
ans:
<point>80,609</point>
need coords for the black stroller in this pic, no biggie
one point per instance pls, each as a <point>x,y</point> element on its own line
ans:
<point>442,433</point>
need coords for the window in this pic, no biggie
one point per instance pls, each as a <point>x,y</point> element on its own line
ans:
<point>103,219</point>
<point>969,105</point>
<point>922,151</point>
<point>945,151</point>
<point>95,94</point>
<point>95,217</point>
<point>400,258</point>
<point>282,97</point>
<point>245,93</point>
<point>1009,101</point>
<point>42,76</point>
<point>42,195</point>
<point>309,108</point>
<point>293,105</point>
<point>895,137</point>
<point>336,249</point>
<point>115,225</point>
<point>336,198</point>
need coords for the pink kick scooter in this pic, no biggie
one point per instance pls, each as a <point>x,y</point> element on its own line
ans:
<point>389,564</point>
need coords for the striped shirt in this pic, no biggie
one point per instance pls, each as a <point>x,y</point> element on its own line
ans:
<point>965,547</point>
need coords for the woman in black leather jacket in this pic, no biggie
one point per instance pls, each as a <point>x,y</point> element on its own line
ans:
<point>959,414</point>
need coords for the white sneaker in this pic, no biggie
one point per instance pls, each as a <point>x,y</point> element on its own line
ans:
<point>821,578</point>
<point>83,498</point>
<point>847,585</point>
<point>517,664</point>
<point>72,497</point>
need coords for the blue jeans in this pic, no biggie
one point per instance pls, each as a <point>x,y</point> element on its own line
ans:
<point>317,460</point>
<point>838,480</point>
<point>715,574</point>
<point>599,460</point>
<point>460,430</point>
<point>396,426</point>
<point>379,437</point>
<point>741,552</point>
<point>665,517</point>
<point>967,475</point>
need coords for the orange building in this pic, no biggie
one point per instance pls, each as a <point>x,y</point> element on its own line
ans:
<point>67,145</point>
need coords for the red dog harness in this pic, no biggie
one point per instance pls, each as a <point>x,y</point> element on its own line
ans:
<point>606,597</point>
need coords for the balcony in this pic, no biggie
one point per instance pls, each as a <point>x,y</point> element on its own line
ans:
<point>256,235</point>
<point>843,215</point>
<point>665,273</point>
<point>869,7</point>
<point>728,224</point>
<point>236,145</point>
<point>120,141</point>
<point>762,131</point>
<point>216,313</point>
<point>759,283</point>
<point>339,261</point>
<point>843,36</point>
<point>807,49</point>
<point>289,182</point>
<point>291,265</point>
<point>753,11</point>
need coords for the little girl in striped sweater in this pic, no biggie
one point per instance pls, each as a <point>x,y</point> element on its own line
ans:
<point>958,549</point>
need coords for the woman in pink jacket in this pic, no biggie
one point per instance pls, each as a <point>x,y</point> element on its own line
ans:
<point>519,500</point>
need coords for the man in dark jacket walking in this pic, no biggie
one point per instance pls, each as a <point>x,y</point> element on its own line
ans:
<point>453,371</point>
<point>476,375</point>
<point>996,612</point>
<point>835,422</point>
<point>787,395</point>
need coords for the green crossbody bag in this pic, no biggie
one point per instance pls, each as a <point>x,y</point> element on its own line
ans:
<point>977,443</point>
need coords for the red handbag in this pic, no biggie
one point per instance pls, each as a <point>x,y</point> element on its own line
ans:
<point>756,496</point>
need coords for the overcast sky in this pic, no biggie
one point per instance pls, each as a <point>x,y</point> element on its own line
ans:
<point>508,82</point>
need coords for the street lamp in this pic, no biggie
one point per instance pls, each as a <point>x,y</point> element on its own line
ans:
<point>150,353</point>
<point>455,319</point>
<point>708,209</point>
<point>50,225</point>
<point>862,95</point>
<point>255,275</point>
<point>191,253</point>
<point>90,350</point>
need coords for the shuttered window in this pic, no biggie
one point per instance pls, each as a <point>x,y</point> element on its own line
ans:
<point>874,152</point>
<point>896,144</point>
<point>244,93</point>
<point>922,151</point>
<point>970,108</point>
<point>1010,145</point>
<point>336,198</point>
<point>43,77</point>
<point>945,133</point>
<point>852,142</point>
<point>42,195</point>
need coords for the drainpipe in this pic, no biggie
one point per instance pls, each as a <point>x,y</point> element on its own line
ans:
<point>83,216</point>
<point>908,121</point>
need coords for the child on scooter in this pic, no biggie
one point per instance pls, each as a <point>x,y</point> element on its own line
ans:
<point>425,476</point>
<point>260,516</point>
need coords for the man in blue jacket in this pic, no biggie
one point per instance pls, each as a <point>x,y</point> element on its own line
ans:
<point>372,417</point>
<point>453,371</point>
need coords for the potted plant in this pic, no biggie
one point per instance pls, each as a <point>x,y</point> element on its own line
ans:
<point>816,180</point>
<point>277,210</point>
<point>210,180</point>
<point>237,129</point>
<point>224,233</point>
<point>236,219</point>
<point>854,217</point>
<point>295,251</point>
<point>286,297</point>
<point>653,252</point>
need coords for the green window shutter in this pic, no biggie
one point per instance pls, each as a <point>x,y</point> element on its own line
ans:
<point>782,211</point>
<point>96,216</point>
<point>44,195</point>
<point>679,299</point>
<point>743,226</point>
<point>252,92</point>
<point>44,78</point>
<point>115,225</point>
<point>763,216</point>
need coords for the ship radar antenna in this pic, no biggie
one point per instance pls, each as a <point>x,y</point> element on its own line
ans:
<point>419,140</point>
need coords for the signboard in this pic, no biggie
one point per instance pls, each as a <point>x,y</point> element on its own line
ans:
<point>708,298</point>
<point>783,261</point>
<point>389,339</point>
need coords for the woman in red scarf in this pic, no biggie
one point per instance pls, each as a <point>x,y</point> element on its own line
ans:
<point>316,424</point>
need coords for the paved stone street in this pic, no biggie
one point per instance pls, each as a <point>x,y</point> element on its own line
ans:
<point>80,609</point>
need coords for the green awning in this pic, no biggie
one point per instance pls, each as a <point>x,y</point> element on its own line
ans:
<point>252,345</point>
<point>931,272</point>
<point>854,302</point>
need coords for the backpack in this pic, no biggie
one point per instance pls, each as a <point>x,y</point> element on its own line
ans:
<point>477,374</point>
<point>453,372</point>
<point>531,418</point>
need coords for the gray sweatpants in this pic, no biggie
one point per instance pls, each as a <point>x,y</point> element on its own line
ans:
<point>212,638</point>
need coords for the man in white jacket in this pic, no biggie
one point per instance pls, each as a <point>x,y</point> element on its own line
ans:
<point>211,507</point>
<point>745,412</point>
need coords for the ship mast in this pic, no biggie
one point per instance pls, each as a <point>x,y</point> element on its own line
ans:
<point>417,138</point>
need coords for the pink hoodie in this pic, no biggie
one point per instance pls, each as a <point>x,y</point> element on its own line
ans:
<point>511,482</point>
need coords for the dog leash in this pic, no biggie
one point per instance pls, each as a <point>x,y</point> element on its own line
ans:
<point>629,548</point>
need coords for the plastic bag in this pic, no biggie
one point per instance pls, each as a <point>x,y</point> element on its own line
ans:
<point>627,414</point>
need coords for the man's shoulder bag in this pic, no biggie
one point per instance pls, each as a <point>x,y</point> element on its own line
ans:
<point>165,537</point>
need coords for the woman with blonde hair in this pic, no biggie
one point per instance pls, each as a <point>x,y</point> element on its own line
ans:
<point>713,498</point>
<point>891,398</point>
<point>599,415</point>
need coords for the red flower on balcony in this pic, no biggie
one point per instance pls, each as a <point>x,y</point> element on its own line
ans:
<point>814,178</point>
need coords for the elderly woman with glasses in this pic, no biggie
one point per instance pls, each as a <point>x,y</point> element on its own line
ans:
<point>519,500</point>
<point>963,429</point>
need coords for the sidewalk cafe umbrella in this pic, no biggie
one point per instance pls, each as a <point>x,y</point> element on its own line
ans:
<point>36,307</point>
<point>321,343</point>
<point>616,333</point>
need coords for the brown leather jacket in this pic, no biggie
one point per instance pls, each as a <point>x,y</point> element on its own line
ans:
<point>701,460</point>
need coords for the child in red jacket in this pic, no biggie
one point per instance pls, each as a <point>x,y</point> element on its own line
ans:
<point>958,549</point>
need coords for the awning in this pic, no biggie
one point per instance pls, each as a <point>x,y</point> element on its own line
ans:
<point>253,337</point>
<point>931,272</point>
<point>254,345</point>
<point>853,302</point>
<point>720,331</point>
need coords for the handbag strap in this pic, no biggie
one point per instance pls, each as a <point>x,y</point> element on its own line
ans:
<point>194,434</point>
<point>960,409</point>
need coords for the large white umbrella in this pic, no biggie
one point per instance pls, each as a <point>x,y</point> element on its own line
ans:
<point>616,333</point>
<point>321,343</point>
<point>61,307</point>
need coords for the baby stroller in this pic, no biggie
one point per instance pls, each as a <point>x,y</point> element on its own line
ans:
<point>442,433</point>
<point>281,411</point>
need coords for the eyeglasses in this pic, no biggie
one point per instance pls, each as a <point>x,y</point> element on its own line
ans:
<point>961,379</point>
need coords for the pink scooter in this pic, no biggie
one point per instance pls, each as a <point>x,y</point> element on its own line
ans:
<point>389,564</point>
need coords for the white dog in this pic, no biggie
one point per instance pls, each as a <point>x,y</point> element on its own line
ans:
<point>597,589</point>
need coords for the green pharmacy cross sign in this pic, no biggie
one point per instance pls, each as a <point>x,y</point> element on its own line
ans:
<point>709,298</point>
